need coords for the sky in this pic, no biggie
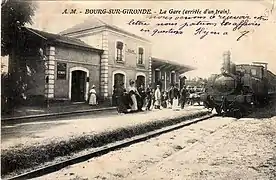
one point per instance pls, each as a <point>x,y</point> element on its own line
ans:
<point>204,54</point>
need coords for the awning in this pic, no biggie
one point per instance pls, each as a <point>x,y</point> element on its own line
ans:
<point>158,63</point>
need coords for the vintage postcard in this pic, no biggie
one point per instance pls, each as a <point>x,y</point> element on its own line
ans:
<point>146,90</point>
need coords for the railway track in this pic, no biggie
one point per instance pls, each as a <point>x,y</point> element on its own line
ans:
<point>105,149</point>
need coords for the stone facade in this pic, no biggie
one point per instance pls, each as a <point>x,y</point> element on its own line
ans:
<point>127,68</point>
<point>64,70</point>
<point>53,87</point>
<point>103,56</point>
<point>76,60</point>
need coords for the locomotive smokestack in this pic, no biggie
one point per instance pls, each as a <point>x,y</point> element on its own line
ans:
<point>226,61</point>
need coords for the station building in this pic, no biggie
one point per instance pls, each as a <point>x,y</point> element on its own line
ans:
<point>94,53</point>
<point>125,55</point>
<point>64,70</point>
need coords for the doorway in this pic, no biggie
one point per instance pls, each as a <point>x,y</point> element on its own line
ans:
<point>140,81</point>
<point>157,75</point>
<point>173,78</point>
<point>119,79</point>
<point>78,86</point>
<point>182,82</point>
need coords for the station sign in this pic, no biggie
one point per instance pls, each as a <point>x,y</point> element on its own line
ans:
<point>61,70</point>
<point>132,51</point>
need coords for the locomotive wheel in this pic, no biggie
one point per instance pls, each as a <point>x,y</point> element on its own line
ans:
<point>218,110</point>
<point>238,114</point>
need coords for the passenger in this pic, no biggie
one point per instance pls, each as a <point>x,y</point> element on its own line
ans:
<point>148,98</point>
<point>133,93</point>
<point>209,103</point>
<point>121,101</point>
<point>171,95</point>
<point>168,101</point>
<point>191,96</point>
<point>157,96</point>
<point>183,96</point>
<point>114,96</point>
<point>141,98</point>
<point>176,96</point>
<point>93,96</point>
<point>165,99</point>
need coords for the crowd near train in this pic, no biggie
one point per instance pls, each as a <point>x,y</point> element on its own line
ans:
<point>239,89</point>
<point>135,99</point>
<point>236,91</point>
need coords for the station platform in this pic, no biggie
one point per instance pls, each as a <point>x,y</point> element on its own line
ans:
<point>25,112</point>
<point>43,132</point>
<point>48,139</point>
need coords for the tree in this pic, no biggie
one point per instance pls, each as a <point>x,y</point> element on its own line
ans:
<point>15,14</point>
<point>2,68</point>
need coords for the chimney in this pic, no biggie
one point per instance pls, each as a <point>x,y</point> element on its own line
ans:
<point>226,61</point>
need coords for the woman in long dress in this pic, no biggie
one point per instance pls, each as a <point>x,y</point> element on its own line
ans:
<point>132,93</point>
<point>121,107</point>
<point>157,96</point>
<point>176,95</point>
<point>93,96</point>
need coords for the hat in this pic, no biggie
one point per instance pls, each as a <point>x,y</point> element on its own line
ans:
<point>93,86</point>
<point>131,81</point>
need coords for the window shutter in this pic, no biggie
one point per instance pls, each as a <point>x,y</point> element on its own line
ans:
<point>141,51</point>
<point>119,45</point>
<point>123,52</point>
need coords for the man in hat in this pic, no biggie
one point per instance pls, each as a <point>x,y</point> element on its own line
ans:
<point>176,96</point>
<point>171,94</point>
<point>183,96</point>
<point>140,99</point>
<point>121,99</point>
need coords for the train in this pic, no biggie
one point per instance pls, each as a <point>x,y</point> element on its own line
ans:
<point>240,88</point>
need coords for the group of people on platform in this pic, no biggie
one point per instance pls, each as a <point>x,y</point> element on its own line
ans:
<point>135,98</point>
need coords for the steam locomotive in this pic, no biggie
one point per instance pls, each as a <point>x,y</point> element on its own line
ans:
<point>239,88</point>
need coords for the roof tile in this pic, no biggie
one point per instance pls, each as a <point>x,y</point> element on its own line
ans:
<point>62,39</point>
